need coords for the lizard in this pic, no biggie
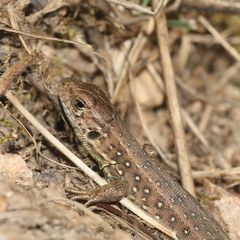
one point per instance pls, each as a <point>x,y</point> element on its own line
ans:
<point>130,171</point>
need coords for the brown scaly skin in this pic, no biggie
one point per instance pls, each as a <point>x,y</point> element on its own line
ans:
<point>129,170</point>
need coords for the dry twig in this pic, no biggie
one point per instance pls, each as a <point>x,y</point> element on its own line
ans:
<point>137,7</point>
<point>228,6</point>
<point>232,51</point>
<point>15,71</point>
<point>174,109</point>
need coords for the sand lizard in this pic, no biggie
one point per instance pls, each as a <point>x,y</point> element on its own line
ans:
<point>129,170</point>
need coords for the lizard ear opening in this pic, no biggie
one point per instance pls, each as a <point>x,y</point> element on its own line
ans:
<point>78,104</point>
<point>93,135</point>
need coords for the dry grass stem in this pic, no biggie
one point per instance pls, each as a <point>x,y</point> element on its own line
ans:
<point>14,22</point>
<point>231,72</point>
<point>144,125</point>
<point>14,71</point>
<point>51,6</point>
<point>230,49</point>
<point>205,118</point>
<point>156,76</point>
<point>217,173</point>
<point>174,109</point>
<point>175,6</point>
<point>78,43</point>
<point>228,6</point>
<point>25,129</point>
<point>219,159</point>
<point>132,57</point>
<point>195,129</point>
<point>137,7</point>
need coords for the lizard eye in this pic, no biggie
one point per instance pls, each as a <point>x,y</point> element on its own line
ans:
<point>79,104</point>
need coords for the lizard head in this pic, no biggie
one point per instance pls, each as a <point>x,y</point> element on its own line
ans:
<point>86,107</point>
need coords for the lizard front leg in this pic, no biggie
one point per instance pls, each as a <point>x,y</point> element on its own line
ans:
<point>109,193</point>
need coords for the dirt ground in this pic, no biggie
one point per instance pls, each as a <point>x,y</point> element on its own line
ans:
<point>124,49</point>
